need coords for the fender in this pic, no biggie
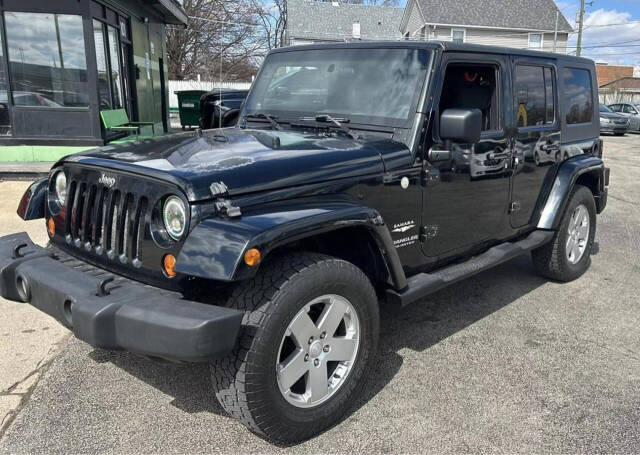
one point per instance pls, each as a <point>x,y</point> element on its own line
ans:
<point>566,178</point>
<point>31,205</point>
<point>215,248</point>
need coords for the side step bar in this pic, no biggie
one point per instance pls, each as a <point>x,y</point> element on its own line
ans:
<point>423,284</point>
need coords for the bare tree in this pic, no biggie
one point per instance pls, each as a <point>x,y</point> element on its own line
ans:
<point>219,41</point>
<point>272,20</point>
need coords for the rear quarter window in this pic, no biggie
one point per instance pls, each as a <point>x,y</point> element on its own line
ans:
<point>577,95</point>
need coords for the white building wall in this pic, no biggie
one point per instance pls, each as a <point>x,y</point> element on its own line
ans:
<point>415,21</point>
<point>504,38</point>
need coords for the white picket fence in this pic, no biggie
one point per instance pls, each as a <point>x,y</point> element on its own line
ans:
<point>176,86</point>
<point>619,96</point>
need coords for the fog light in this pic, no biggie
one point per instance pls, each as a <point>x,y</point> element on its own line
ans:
<point>168,264</point>
<point>51,227</point>
<point>252,257</point>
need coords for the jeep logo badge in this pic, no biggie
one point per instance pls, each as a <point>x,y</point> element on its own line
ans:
<point>107,181</point>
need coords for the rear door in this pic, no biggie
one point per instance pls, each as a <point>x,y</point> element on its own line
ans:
<point>537,140</point>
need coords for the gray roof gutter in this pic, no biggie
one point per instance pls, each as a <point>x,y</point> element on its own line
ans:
<point>171,11</point>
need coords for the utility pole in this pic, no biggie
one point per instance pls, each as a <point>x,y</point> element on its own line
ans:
<point>580,21</point>
<point>555,33</point>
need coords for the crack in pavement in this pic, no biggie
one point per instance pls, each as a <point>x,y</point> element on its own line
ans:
<point>39,371</point>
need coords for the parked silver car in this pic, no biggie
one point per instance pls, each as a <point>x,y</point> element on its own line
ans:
<point>613,122</point>
<point>630,110</point>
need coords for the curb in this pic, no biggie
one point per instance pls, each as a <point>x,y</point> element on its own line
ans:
<point>23,170</point>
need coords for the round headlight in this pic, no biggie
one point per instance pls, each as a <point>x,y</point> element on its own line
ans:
<point>61,187</point>
<point>175,217</point>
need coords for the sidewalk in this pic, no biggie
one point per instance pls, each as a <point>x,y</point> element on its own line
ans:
<point>29,339</point>
<point>24,170</point>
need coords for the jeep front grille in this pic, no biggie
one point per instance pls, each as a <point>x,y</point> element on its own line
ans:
<point>107,221</point>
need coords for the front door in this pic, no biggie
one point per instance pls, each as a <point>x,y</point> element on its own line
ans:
<point>537,145</point>
<point>466,198</point>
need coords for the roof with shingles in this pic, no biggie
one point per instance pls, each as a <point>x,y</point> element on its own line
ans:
<point>330,21</point>
<point>509,14</point>
<point>624,83</point>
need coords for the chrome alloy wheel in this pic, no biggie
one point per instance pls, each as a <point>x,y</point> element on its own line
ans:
<point>318,351</point>
<point>578,231</point>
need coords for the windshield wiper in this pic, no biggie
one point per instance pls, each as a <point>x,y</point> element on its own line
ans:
<point>272,119</point>
<point>325,118</point>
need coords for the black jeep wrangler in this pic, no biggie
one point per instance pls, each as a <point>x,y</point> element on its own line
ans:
<point>357,174</point>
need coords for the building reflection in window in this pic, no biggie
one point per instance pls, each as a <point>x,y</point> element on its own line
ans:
<point>104,87</point>
<point>47,60</point>
<point>5,120</point>
<point>116,70</point>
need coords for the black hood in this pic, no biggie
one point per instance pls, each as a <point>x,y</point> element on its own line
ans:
<point>247,160</point>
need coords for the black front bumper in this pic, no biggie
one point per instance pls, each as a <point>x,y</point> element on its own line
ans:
<point>124,315</point>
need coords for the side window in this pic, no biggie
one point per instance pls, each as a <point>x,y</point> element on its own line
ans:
<point>628,109</point>
<point>549,95</point>
<point>577,95</point>
<point>615,107</point>
<point>473,86</point>
<point>534,95</point>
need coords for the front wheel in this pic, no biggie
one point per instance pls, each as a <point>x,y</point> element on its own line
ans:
<point>309,334</point>
<point>568,255</point>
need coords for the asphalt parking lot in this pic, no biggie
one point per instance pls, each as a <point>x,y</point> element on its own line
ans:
<point>502,362</point>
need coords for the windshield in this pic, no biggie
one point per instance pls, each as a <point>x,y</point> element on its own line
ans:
<point>604,108</point>
<point>368,86</point>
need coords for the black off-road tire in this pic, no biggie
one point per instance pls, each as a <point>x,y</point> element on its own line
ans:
<point>245,381</point>
<point>550,259</point>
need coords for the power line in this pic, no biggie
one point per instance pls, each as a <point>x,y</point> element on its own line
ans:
<point>586,27</point>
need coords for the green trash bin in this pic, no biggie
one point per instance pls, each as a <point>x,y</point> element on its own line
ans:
<point>189,107</point>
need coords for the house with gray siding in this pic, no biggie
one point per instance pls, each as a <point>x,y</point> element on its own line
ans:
<point>523,24</point>
<point>310,21</point>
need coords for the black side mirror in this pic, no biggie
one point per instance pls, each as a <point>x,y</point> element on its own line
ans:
<point>461,125</point>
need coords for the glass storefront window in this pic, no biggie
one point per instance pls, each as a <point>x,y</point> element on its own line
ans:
<point>47,59</point>
<point>109,62</point>
<point>104,86</point>
<point>116,69</point>
<point>124,29</point>
<point>5,119</point>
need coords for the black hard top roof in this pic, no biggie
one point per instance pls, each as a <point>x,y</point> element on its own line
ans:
<point>446,46</point>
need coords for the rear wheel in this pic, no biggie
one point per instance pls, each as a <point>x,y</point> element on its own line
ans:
<point>309,334</point>
<point>568,256</point>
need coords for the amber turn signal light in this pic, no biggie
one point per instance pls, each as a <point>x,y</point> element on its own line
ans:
<point>252,257</point>
<point>168,264</point>
<point>51,227</point>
